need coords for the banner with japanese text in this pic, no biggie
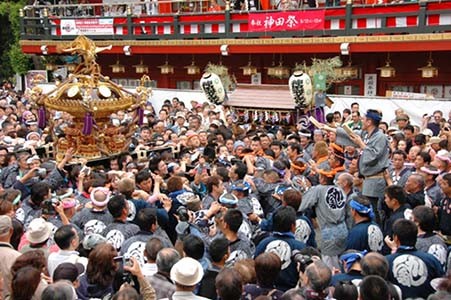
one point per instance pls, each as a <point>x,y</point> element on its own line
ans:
<point>87,26</point>
<point>281,21</point>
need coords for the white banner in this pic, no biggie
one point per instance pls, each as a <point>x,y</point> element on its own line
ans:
<point>370,85</point>
<point>414,108</point>
<point>87,27</point>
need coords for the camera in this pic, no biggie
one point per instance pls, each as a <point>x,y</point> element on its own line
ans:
<point>86,170</point>
<point>41,172</point>
<point>183,214</point>
<point>124,260</point>
<point>301,259</point>
<point>48,206</point>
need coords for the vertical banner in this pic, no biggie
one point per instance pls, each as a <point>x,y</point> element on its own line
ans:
<point>370,85</point>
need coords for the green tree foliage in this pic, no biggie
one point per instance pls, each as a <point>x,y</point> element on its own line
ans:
<point>12,59</point>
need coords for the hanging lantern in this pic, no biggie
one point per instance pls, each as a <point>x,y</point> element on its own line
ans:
<point>429,71</point>
<point>350,71</point>
<point>387,71</point>
<point>249,69</point>
<point>301,89</point>
<point>212,86</point>
<point>271,70</point>
<point>141,67</point>
<point>117,67</point>
<point>166,68</point>
<point>192,69</point>
<point>281,71</point>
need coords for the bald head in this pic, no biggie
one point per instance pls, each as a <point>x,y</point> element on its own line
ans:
<point>374,264</point>
<point>166,258</point>
<point>319,275</point>
<point>345,180</point>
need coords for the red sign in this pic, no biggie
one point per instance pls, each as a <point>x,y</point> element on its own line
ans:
<point>87,26</point>
<point>302,20</point>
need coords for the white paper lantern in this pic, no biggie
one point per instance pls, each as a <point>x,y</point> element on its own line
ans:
<point>301,89</point>
<point>212,87</point>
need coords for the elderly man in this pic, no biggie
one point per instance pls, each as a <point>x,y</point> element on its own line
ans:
<point>7,253</point>
<point>315,280</point>
<point>414,189</point>
<point>161,281</point>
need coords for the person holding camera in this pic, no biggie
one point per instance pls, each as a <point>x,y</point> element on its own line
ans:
<point>146,291</point>
<point>32,173</point>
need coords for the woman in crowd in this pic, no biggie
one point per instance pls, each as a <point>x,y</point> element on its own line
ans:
<point>267,267</point>
<point>30,276</point>
<point>97,282</point>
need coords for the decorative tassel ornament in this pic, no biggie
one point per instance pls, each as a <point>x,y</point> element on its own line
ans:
<point>87,124</point>
<point>140,116</point>
<point>41,117</point>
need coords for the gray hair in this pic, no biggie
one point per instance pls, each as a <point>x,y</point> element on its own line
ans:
<point>419,179</point>
<point>166,258</point>
<point>61,290</point>
<point>348,178</point>
<point>319,275</point>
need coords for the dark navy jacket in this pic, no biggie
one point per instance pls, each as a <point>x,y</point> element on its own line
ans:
<point>304,228</point>
<point>412,271</point>
<point>283,244</point>
<point>365,236</point>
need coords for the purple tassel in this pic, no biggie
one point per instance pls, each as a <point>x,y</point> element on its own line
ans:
<point>41,117</point>
<point>87,124</point>
<point>140,116</point>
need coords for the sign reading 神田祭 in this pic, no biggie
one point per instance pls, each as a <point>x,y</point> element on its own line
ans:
<point>282,21</point>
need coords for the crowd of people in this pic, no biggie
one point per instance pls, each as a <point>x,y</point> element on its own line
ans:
<point>355,208</point>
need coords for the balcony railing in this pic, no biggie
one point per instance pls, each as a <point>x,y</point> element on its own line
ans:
<point>59,22</point>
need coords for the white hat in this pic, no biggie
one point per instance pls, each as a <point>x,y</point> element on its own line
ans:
<point>38,231</point>
<point>427,132</point>
<point>187,272</point>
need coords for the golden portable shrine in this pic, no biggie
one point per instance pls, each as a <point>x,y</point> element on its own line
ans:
<point>90,98</point>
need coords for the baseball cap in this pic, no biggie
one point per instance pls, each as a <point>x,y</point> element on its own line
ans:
<point>5,224</point>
